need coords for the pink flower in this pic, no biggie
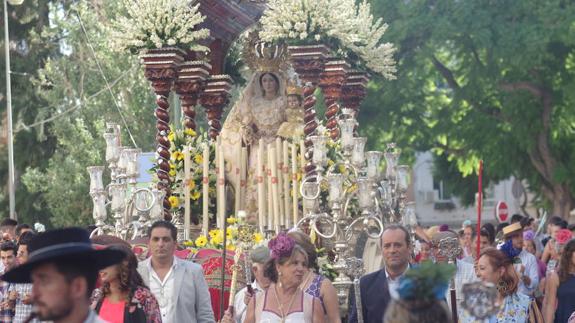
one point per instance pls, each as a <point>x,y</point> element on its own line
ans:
<point>563,236</point>
<point>281,246</point>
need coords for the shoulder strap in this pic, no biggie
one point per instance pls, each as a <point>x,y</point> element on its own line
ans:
<point>259,304</point>
<point>308,306</point>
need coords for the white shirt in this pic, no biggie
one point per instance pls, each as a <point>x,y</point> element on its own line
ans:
<point>530,262</point>
<point>163,290</point>
<point>393,284</point>
<point>240,308</point>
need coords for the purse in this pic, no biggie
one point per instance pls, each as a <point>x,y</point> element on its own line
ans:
<point>535,315</point>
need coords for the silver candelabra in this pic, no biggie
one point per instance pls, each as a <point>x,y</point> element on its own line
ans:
<point>360,199</point>
<point>133,208</point>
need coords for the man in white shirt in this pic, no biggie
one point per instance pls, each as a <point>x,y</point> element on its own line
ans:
<point>465,273</point>
<point>178,285</point>
<point>527,269</point>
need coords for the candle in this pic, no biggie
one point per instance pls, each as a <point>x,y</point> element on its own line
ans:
<point>222,186</point>
<point>261,185</point>
<point>294,183</point>
<point>279,168</point>
<point>237,176</point>
<point>302,156</point>
<point>187,179</point>
<point>270,209</point>
<point>243,175</point>
<point>285,181</point>
<point>205,188</point>
<point>275,192</point>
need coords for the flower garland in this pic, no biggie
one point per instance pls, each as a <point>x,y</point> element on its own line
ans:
<point>153,24</point>
<point>179,139</point>
<point>349,29</point>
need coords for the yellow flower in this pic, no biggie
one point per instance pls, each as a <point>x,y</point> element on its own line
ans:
<point>195,195</point>
<point>190,132</point>
<point>172,166</point>
<point>177,155</point>
<point>171,136</point>
<point>201,241</point>
<point>258,237</point>
<point>174,201</point>
<point>330,162</point>
<point>231,247</point>
<point>192,184</point>
<point>198,159</point>
<point>232,220</point>
<point>188,243</point>
<point>213,233</point>
<point>342,169</point>
<point>172,172</point>
<point>218,239</point>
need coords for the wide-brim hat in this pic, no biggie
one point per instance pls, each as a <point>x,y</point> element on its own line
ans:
<point>59,245</point>
<point>512,229</point>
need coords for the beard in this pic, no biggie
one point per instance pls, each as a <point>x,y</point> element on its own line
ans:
<point>55,312</point>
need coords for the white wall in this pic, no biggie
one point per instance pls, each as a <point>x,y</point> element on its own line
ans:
<point>426,199</point>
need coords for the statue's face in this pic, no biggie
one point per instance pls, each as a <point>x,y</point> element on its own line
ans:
<point>269,84</point>
<point>293,102</point>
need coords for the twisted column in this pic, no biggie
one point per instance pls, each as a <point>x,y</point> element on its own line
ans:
<point>214,99</point>
<point>354,90</point>
<point>160,68</point>
<point>191,81</point>
<point>308,62</point>
<point>331,82</point>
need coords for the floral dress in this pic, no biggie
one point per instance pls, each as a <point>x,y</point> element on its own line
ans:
<point>515,309</point>
<point>143,307</point>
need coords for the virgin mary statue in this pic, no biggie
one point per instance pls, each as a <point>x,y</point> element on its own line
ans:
<point>258,114</point>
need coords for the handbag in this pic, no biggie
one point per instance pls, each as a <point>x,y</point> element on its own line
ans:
<point>535,315</point>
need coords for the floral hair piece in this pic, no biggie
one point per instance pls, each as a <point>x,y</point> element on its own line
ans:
<point>528,235</point>
<point>425,282</point>
<point>281,246</point>
<point>563,236</point>
<point>510,251</point>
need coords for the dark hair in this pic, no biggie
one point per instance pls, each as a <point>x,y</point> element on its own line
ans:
<point>516,218</point>
<point>25,238</point>
<point>270,270</point>
<point>498,259</point>
<point>400,311</point>
<point>8,223</point>
<point>566,262</point>
<point>562,224</point>
<point>274,77</point>
<point>485,233</point>
<point>72,268</point>
<point>399,227</point>
<point>491,230</point>
<point>108,240</point>
<point>554,220</point>
<point>502,225</point>
<point>164,224</point>
<point>130,278</point>
<point>304,241</point>
<point>8,246</point>
<point>21,226</point>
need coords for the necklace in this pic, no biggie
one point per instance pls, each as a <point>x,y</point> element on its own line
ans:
<point>280,305</point>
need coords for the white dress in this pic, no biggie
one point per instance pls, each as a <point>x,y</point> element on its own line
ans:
<point>264,315</point>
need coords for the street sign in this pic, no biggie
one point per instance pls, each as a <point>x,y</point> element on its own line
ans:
<point>501,212</point>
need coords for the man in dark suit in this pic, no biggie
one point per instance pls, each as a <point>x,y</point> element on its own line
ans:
<point>378,288</point>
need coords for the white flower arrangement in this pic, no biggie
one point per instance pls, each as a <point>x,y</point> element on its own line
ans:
<point>154,24</point>
<point>340,24</point>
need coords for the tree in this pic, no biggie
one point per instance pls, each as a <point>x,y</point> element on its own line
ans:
<point>489,80</point>
<point>80,104</point>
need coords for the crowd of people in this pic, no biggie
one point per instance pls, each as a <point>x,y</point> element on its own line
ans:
<point>64,276</point>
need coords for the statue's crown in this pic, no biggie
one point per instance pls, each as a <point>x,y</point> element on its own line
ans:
<point>294,89</point>
<point>264,57</point>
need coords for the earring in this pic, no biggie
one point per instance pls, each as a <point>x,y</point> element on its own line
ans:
<point>279,280</point>
<point>502,287</point>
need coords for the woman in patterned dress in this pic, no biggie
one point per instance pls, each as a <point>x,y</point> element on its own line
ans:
<point>123,297</point>
<point>495,267</point>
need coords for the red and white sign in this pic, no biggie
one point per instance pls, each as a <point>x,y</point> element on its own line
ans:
<point>501,212</point>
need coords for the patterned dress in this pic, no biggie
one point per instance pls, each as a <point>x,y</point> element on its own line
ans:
<point>515,310</point>
<point>142,308</point>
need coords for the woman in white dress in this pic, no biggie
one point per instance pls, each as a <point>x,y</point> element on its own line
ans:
<point>284,301</point>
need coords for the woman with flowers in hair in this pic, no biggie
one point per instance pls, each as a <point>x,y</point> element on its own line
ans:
<point>284,301</point>
<point>496,267</point>
<point>124,297</point>
<point>559,301</point>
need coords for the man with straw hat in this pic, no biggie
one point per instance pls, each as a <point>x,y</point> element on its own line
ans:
<point>63,268</point>
<point>524,262</point>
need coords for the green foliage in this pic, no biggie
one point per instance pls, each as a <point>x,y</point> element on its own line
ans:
<point>81,104</point>
<point>482,80</point>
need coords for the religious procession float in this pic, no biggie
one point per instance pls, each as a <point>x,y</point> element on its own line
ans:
<point>272,164</point>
